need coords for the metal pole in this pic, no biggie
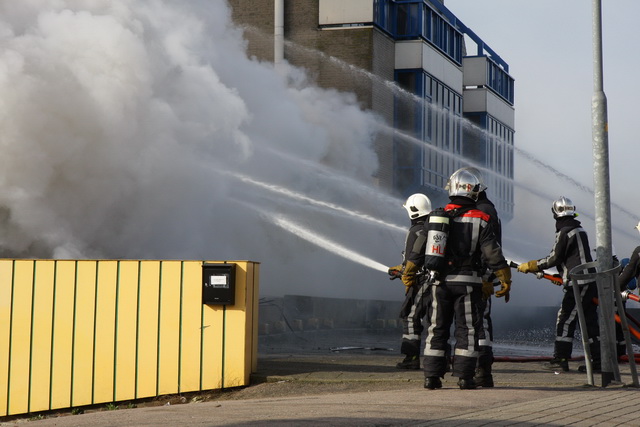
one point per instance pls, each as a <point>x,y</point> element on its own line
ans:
<point>627,337</point>
<point>583,330</point>
<point>278,32</point>
<point>602,206</point>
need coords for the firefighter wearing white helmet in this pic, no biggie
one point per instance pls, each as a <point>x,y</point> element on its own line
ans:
<point>413,308</point>
<point>471,246</point>
<point>571,248</point>
<point>417,205</point>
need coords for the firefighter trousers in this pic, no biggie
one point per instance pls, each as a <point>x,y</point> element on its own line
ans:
<point>412,313</point>
<point>457,304</point>
<point>567,321</point>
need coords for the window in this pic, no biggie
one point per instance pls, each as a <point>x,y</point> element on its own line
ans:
<point>417,19</point>
<point>408,20</point>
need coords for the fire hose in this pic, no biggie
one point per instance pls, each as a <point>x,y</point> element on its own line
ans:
<point>626,295</point>
<point>553,278</point>
<point>557,280</point>
<point>633,330</point>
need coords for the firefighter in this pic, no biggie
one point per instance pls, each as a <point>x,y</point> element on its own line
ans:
<point>571,248</point>
<point>413,308</point>
<point>627,281</point>
<point>631,272</point>
<point>456,296</point>
<point>483,376</point>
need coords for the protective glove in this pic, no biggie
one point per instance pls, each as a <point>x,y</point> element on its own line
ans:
<point>504,275</point>
<point>409,275</point>
<point>395,268</point>
<point>395,271</point>
<point>487,290</point>
<point>528,267</point>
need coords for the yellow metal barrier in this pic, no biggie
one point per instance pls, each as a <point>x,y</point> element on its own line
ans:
<point>83,332</point>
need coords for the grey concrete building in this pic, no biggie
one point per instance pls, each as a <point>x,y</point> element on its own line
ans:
<point>410,62</point>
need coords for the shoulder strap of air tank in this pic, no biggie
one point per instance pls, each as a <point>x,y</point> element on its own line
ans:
<point>453,210</point>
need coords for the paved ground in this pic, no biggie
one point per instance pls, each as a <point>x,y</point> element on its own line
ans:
<point>363,388</point>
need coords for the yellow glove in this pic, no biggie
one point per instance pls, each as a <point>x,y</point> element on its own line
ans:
<point>394,269</point>
<point>395,272</point>
<point>528,267</point>
<point>487,290</point>
<point>409,275</point>
<point>504,275</point>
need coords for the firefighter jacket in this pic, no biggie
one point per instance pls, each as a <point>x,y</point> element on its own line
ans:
<point>631,270</point>
<point>485,205</point>
<point>415,242</point>
<point>571,248</point>
<point>471,242</point>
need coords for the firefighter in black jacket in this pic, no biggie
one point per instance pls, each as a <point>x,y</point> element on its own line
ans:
<point>632,269</point>
<point>571,248</point>
<point>457,294</point>
<point>484,377</point>
<point>415,303</point>
<point>629,272</point>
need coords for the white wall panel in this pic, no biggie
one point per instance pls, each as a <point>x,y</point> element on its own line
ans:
<point>336,12</point>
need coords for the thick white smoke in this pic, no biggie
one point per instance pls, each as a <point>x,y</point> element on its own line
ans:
<point>125,126</point>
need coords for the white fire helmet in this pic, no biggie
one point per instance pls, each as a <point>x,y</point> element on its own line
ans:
<point>417,205</point>
<point>465,182</point>
<point>637,227</point>
<point>563,207</point>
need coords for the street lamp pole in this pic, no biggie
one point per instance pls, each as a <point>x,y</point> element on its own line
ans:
<point>605,283</point>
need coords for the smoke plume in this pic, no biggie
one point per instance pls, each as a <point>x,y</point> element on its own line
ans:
<point>126,130</point>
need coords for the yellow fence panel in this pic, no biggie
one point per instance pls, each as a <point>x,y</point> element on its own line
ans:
<point>190,326</point>
<point>105,327</point>
<point>169,339</point>
<point>126,330</point>
<point>251,312</point>
<point>147,354</point>
<point>44,282</point>
<point>212,346</point>
<point>63,312</point>
<point>83,332</point>
<point>83,340</point>
<point>235,342</point>
<point>20,345</point>
<point>6,284</point>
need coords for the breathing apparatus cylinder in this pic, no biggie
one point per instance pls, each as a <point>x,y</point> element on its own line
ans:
<point>437,232</point>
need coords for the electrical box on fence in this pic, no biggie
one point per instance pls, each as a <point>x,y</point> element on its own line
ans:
<point>218,284</point>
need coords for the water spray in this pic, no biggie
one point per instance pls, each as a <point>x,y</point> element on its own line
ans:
<point>327,244</point>
<point>301,197</point>
<point>490,172</point>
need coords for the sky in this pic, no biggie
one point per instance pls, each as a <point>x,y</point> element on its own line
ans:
<point>142,130</point>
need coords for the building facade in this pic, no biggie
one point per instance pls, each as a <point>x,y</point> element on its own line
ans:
<point>447,108</point>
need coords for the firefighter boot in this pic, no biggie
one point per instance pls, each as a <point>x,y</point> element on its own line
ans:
<point>467,384</point>
<point>432,383</point>
<point>409,362</point>
<point>483,377</point>
<point>557,364</point>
